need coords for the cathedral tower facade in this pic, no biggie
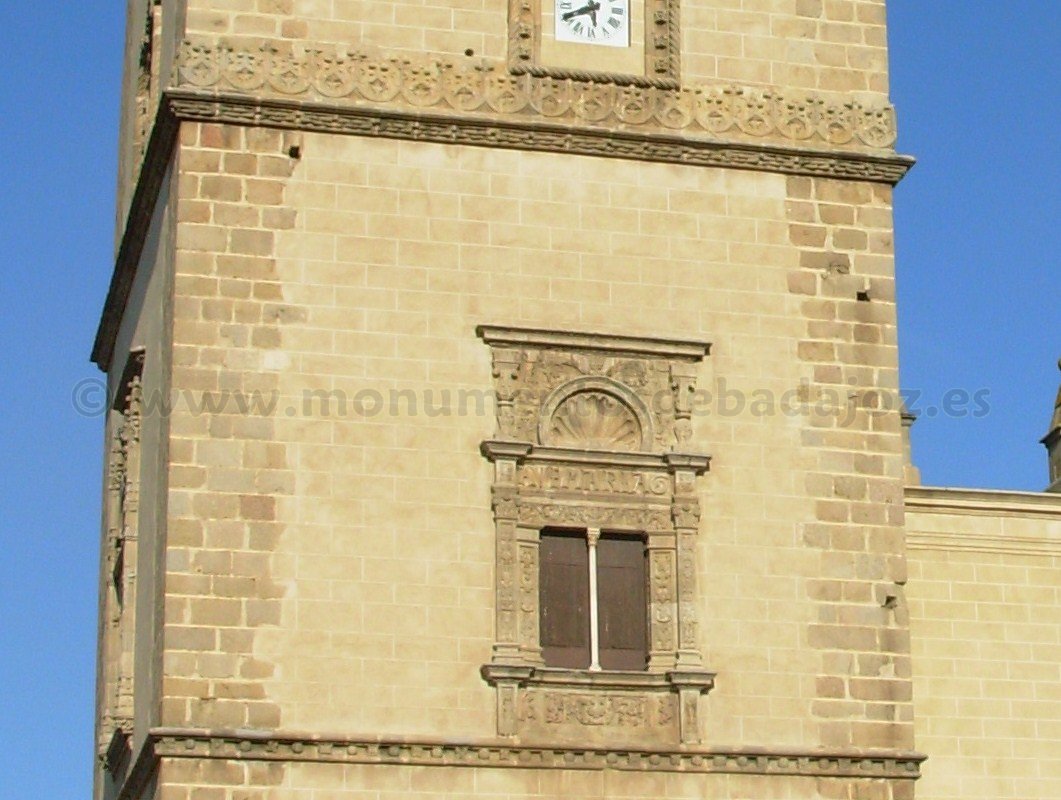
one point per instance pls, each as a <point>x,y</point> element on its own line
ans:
<point>505,404</point>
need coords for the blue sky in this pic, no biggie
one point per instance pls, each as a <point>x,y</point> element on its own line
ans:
<point>976,84</point>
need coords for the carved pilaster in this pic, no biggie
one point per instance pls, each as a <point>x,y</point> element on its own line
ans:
<point>506,384</point>
<point>506,647</point>
<point>123,501</point>
<point>663,610</point>
<point>688,646</point>
<point>505,495</point>
<point>529,644</point>
<point>683,384</point>
<point>685,509</point>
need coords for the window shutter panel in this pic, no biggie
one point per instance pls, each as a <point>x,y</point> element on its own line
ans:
<point>564,599</point>
<point>622,611</point>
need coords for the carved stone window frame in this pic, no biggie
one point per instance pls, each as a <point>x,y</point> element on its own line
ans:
<point>645,485</point>
<point>662,47</point>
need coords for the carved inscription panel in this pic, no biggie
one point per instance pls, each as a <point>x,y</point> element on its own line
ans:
<point>577,479</point>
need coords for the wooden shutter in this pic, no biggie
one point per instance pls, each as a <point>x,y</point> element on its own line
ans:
<point>622,611</point>
<point>564,598</point>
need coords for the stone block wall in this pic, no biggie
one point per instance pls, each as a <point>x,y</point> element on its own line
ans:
<point>330,561</point>
<point>985,602</point>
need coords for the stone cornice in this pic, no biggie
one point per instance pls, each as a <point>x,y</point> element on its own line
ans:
<point>499,753</point>
<point>929,499</point>
<point>481,88</point>
<point>1044,509</point>
<point>984,543</point>
<point>156,162</point>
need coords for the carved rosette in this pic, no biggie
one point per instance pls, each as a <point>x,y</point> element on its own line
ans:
<point>588,432</point>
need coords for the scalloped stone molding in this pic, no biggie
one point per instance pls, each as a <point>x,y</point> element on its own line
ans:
<point>478,87</point>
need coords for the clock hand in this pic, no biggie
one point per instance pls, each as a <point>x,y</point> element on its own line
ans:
<point>589,8</point>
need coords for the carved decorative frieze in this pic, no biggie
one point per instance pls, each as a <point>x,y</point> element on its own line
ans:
<point>489,89</point>
<point>589,716</point>
<point>597,709</point>
<point>540,515</point>
<point>581,707</point>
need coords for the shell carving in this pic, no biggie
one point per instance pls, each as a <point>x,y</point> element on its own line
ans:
<point>594,420</point>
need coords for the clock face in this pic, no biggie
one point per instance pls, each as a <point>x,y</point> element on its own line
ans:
<point>605,22</point>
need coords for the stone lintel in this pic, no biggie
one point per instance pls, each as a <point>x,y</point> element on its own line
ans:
<point>504,336</point>
<point>526,452</point>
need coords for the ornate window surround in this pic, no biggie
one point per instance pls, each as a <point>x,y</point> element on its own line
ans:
<point>644,484</point>
<point>662,47</point>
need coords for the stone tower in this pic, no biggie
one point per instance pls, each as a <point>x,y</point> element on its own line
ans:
<point>504,404</point>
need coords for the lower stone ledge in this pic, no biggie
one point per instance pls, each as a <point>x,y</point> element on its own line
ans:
<point>278,746</point>
<point>601,679</point>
